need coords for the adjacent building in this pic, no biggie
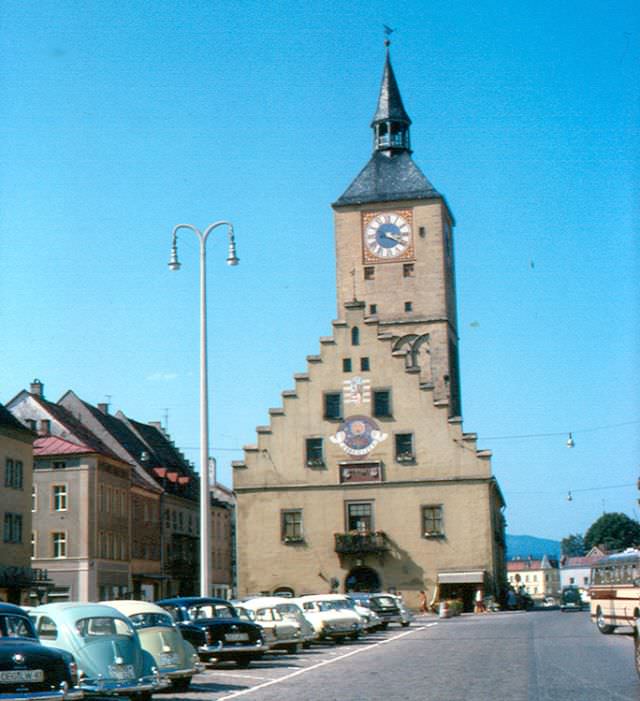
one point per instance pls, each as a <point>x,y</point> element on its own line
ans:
<point>114,504</point>
<point>539,577</point>
<point>364,479</point>
<point>16,463</point>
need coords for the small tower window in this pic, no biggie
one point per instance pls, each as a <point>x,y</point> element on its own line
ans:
<point>355,336</point>
<point>373,309</point>
<point>365,366</point>
<point>333,405</point>
<point>369,272</point>
<point>408,270</point>
<point>346,365</point>
<point>408,306</point>
<point>382,403</point>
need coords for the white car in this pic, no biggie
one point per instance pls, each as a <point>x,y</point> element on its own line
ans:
<point>289,609</point>
<point>331,618</point>
<point>281,633</point>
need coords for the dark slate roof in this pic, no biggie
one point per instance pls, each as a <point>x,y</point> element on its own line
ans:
<point>388,178</point>
<point>8,420</point>
<point>390,107</point>
<point>119,431</point>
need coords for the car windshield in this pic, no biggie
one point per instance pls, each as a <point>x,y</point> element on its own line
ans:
<point>101,626</point>
<point>384,601</point>
<point>331,605</point>
<point>268,614</point>
<point>219,610</point>
<point>247,614</point>
<point>16,627</point>
<point>151,619</point>
<point>289,610</point>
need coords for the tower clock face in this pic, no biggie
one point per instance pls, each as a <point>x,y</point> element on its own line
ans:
<point>387,236</point>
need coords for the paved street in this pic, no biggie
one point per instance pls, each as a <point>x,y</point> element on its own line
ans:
<point>535,656</point>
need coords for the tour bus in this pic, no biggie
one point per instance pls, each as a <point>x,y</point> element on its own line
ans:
<point>615,591</point>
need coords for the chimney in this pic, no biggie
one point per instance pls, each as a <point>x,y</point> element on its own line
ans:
<point>103,407</point>
<point>37,388</point>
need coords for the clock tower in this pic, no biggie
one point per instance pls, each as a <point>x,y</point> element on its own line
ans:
<point>394,251</point>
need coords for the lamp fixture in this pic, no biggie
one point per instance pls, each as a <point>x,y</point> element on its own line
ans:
<point>570,442</point>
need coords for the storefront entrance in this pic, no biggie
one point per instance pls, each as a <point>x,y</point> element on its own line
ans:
<point>362,579</point>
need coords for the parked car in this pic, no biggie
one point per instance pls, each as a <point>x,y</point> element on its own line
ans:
<point>105,646</point>
<point>175,657</point>
<point>406,614</point>
<point>330,619</point>
<point>570,599</point>
<point>385,605</point>
<point>28,669</point>
<point>280,633</point>
<point>216,631</point>
<point>290,609</point>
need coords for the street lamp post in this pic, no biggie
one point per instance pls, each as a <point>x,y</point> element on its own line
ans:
<point>205,510</point>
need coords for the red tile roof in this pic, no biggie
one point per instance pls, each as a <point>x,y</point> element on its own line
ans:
<point>53,445</point>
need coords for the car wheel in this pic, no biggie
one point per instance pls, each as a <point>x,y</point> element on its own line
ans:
<point>143,696</point>
<point>293,649</point>
<point>405,624</point>
<point>636,645</point>
<point>306,646</point>
<point>603,627</point>
<point>242,662</point>
<point>181,684</point>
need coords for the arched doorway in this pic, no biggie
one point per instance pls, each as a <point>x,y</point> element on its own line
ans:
<point>362,579</point>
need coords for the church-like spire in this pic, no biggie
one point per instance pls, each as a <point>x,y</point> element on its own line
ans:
<point>390,122</point>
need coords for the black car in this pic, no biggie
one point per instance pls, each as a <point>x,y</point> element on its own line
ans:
<point>28,669</point>
<point>385,605</point>
<point>214,628</point>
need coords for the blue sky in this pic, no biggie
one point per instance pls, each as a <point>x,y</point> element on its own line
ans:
<point>122,119</point>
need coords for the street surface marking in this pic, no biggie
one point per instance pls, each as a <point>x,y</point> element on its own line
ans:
<point>244,692</point>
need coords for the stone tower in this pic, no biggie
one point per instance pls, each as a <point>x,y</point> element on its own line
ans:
<point>394,250</point>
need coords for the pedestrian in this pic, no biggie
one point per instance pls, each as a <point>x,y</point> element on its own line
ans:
<point>479,602</point>
<point>422,600</point>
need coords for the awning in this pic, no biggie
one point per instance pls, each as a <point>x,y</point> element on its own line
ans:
<point>469,577</point>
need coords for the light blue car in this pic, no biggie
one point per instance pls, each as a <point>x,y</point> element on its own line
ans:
<point>105,645</point>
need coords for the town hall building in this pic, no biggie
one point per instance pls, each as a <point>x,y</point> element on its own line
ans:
<point>364,479</point>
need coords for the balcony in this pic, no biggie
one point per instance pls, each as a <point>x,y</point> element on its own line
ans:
<point>355,543</point>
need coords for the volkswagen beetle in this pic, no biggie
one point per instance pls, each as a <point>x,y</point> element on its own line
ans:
<point>105,645</point>
<point>28,669</point>
<point>214,628</point>
<point>176,658</point>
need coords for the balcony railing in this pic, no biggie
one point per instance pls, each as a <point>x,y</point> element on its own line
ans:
<point>359,543</point>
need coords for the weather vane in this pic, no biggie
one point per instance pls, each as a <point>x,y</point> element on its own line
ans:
<point>387,33</point>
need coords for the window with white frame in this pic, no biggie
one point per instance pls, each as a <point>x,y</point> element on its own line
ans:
<point>59,542</point>
<point>59,497</point>
<point>34,543</point>
<point>34,498</point>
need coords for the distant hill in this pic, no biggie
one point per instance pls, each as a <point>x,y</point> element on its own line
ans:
<point>525,545</point>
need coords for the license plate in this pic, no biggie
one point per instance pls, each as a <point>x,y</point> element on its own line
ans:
<point>21,675</point>
<point>236,637</point>
<point>124,671</point>
<point>168,658</point>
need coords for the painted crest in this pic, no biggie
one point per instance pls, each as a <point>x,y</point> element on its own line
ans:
<point>358,435</point>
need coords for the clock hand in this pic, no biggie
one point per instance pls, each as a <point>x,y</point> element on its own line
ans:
<point>394,237</point>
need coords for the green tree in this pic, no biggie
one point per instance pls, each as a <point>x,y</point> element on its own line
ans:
<point>615,531</point>
<point>573,545</point>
